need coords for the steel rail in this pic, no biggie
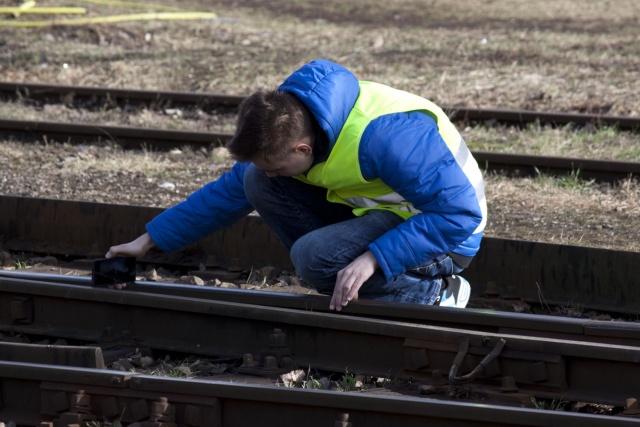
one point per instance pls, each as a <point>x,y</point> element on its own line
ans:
<point>135,138</point>
<point>521,165</point>
<point>37,393</point>
<point>128,137</point>
<point>67,94</point>
<point>280,340</point>
<point>560,275</point>
<point>488,321</point>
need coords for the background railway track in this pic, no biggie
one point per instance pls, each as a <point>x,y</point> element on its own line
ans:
<point>104,97</point>
<point>161,139</point>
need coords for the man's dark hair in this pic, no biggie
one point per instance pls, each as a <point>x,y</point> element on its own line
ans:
<point>268,121</point>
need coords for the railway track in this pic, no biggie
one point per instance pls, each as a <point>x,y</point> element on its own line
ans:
<point>97,96</point>
<point>131,137</point>
<point>498,322</point>
<point>494,371</point>
<point>160,139</point>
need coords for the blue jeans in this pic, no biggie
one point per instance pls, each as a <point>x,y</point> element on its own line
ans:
<point>324,237</point>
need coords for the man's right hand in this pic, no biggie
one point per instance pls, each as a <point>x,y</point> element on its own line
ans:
<point>136,248</point>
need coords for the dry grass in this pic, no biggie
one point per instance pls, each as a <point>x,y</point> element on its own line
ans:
<point>565,55</point>
<point>543,209</point>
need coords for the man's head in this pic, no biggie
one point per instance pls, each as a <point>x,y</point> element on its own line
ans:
<point>275,132</point>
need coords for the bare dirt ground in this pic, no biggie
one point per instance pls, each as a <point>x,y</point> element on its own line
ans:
<point>570,56</point>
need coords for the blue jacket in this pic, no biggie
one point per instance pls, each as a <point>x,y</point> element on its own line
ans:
<point>404,150</point>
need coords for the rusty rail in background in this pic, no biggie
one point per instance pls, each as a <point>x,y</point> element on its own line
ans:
<point>100,96</point>
<point>562,275</point>
<point>141,138</point>
<point>128,137</point>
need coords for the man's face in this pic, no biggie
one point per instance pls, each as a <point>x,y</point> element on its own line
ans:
<point>297,161</point>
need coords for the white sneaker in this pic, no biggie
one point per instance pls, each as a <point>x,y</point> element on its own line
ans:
<point>455,293</point>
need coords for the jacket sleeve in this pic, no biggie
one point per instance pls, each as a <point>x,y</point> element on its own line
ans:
<point>214,206</point>
<point>407,153</point>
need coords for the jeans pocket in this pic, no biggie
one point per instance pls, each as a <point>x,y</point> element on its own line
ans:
<point>426,292</point>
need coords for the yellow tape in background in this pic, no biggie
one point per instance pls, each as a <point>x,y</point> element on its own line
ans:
<point>29,7</point>
<point>132,4</point>
<point>116,18</point>
<point>17,11</point>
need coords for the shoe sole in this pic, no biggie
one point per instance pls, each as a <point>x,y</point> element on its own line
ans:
<point>462,292</point>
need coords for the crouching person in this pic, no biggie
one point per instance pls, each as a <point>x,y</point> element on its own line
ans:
<point>372,189</point>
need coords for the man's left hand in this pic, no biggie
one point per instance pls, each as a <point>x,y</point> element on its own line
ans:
<point>351,278</point>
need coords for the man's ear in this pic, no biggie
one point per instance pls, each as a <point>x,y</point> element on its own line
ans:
<point>303,149</point>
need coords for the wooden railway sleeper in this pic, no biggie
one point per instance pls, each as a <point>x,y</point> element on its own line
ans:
<point>22,310</point>
<point>275,360</point>
<point>464,347</point>
<point>135,408</point>
<point>76,408</point>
